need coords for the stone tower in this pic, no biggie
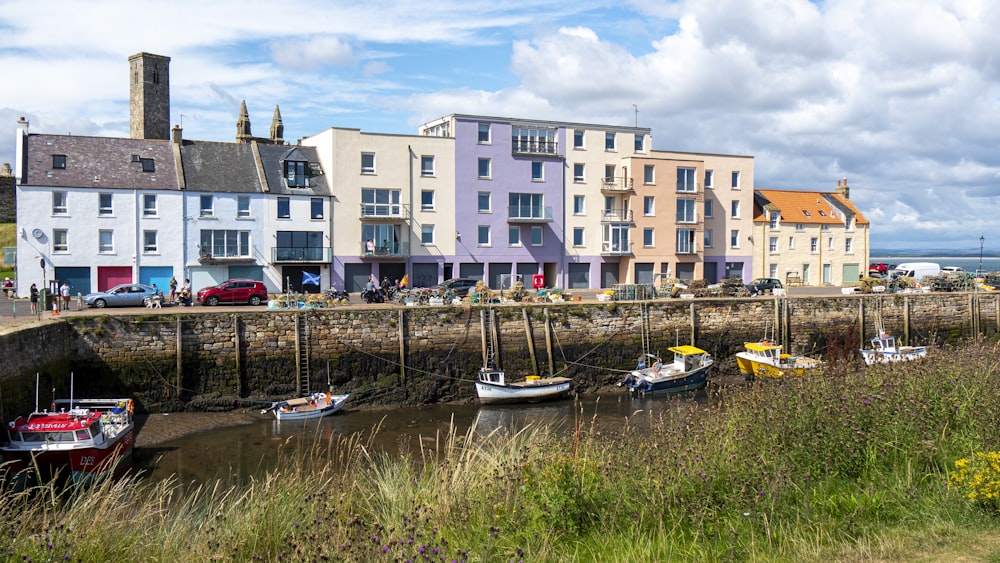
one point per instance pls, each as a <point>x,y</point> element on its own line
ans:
<point>243,134</point>
<point>277,128</point>
<point>149,96</point>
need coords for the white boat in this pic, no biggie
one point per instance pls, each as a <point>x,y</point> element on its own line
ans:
<point>493,387</point>
<point>885,350</point>
<point>688,371</point>
<point>765,359</point>
<point>315,405</point>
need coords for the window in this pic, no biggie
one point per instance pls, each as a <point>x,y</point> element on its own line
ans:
<point>824,227</point>
<point>295,174</point>
<point>316,207</point>
<point>578,208</point>
<point>485,202</point>
<point>537,171</point>
<point>814,245</point>
<point>829,243</point>
<point>59,161</point>
<point>849,245</point>
<point>822,213</point>
<point>734,238</point>
<point>772,270</point>
<point>525,206</point>
<point>243,206</point>
<point>640,143</point>
<point>735,209</point>
<point>380,203</point>
<point>708,209</point>
<point>225,243</point>
<point>514,235</point>
<point>207,206</point>
<point>609,171</point>
<point>578,172</point>
<point>284,208</point>
<point>426,165</point>
<point>686,210</point>
<point>536,235</point>
<point>298,246</point>
<point>791,243</point>
<point>104,204</point>
<point>538,140</point>
<point>367,163</point>
<point>685,241</point>
<point>60,240</point>
<point>736,180</point>
<point>685,180</point>
<point>484,133</point>
<point>647,237</point>
<point>426,234</point>
<point>148,165</point>
<point>578,138</point>
<point>484,235</point>
<point>149,242</point>
<point>800,228</point>
<point>577,236</point>
<point>427,200</point>
<point>772,245</point>
<point>647,205</point>
<point>709,179</point>
<point>609,141</point>
<point>149,205</point>
<point>484,168</point>
<point>106,241</point>
<point>59,203</point>
<point>773,218</point>
<point>647,174</point>
<point>806,213</point>
<point>708,238</point>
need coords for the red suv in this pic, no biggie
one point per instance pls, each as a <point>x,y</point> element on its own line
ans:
<point>234,291</point>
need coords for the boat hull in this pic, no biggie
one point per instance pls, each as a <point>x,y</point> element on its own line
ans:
<point>79,464</point>
<point>336,403</point>
<point>523,392</point>
<point>873,357</point>
<point>751,368</point>
<point>690,381</point>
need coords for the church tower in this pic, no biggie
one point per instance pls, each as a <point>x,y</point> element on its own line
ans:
<point>149,96</point>
<point>243,134</point>
<point>277,128</point>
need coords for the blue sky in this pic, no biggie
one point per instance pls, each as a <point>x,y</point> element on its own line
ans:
<point>900,97</point>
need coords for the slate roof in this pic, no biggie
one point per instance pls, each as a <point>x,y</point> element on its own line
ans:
<point>219,167</point>
<point>273,158</point>
<point>794,204</point>
<point>100,162</point>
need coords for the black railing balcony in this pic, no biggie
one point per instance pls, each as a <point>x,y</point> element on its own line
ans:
<point>534,146</point>
<point>616,216</point>
<point>529,214</point>
<point>385,212</point>
<point>321,254</point>
<point>385,249</point>
<point>616,185</point>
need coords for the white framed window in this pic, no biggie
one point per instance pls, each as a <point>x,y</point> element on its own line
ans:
<point>376,202</point>
<point>640,143</point>
<point>104,206</point>
<point>427,200</point>
<point>647,237</point>
<point>60,240</point>
<point>484,133</point>
<point>207,206</point>
<point>537,171</point>
<point>484,168</point>
<point>514,235</point>
<point>485,202</point>
<point>426,234</point>
<point>316,208</point>
<point>772,270</point>
<point>709,179</point>
<point>578,205</point>
<point>800,228</point>
<point>149,242</point>
<point>483,238</point>
<point>367,163</point>
<point>426,165</point>
<point>225,243</point>
<point>685,241</point>
<point>578,138</point>
<point>149,205</point>
<point>648,209</point>
<point>686,210</point>
<point>609,141</point>
<point>735,209</point>
<point>648,174</point>
<point>734,238</point>
<point>59,206</point>
<point>829,243</point>
<point>537,235</point>
<point>708,238</point>
<point>736,180</point>
<point>814,245</point>
<point>774,218</point>
<point>243,207</point>
<point>577,236</point>
<point>686,182</point>
<point>849,245</point>
<point>772,245</point>
<point>106,241</point>
<point>824,227</point>
<point>578,172</point>
<point>708,209</point>
<point>609,172</point>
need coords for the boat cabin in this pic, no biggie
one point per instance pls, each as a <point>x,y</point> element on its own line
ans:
<point>492,376</point>
<point>765,350</point>
<point>884,343</point>
<point>687,358</point>
<point>71,428</point>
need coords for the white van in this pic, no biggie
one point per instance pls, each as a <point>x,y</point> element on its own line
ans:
<point>917,270</point>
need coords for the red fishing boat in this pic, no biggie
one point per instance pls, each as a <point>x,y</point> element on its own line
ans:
<point>78,439</point>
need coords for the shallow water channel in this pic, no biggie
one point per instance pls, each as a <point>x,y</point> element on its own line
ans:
<point>236,454</point>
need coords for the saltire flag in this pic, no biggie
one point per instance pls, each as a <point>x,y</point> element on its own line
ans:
<point>310,279</point>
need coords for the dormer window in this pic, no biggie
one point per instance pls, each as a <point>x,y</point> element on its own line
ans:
<point>59,161</point>
<point>148,165</point>
<point>774,218</point>
<point>806,213</point>
<point>296,173</point>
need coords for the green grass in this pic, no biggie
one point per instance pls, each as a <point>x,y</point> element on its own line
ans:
<point>852,467</point>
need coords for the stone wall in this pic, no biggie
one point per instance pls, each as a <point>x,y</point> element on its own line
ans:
<point>8,205</point>
<point>415,355</point>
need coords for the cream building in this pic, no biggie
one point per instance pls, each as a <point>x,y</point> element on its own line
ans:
<point>808,237</point>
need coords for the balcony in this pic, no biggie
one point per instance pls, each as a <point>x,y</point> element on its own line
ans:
<point>688,187</point>
<point>616,216</point>
<point>616,249</point>
<point>385,212</point>
<point>534,146</point>
<point>301,254</point>
<point>205,257</point>
<point>528,214</point>
<point>386,250</point>
<point>617,186</point>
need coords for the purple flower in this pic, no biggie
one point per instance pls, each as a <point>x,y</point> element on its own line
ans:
<point>385,549</point>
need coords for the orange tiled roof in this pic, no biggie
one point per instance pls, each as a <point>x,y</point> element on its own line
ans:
<point>800,206</point>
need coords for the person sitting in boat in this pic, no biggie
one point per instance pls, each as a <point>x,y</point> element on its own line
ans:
<point>656,366</point>
<point>642,364</point>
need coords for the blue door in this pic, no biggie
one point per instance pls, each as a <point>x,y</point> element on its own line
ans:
<point>158,275</point>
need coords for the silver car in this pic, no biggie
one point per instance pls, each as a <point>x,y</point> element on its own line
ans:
<point>122,295</point>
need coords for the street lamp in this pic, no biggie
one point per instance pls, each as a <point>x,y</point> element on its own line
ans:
<point>982,239</point>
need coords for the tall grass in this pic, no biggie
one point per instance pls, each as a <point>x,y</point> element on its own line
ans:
<point>851,467</point>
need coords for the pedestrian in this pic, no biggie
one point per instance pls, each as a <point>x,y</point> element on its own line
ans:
<point>173,288</point>
<point>33,295</point>
<point>64,292</point>
<point>8,286</point>
<point>186,293</point>
<point>370,247</point>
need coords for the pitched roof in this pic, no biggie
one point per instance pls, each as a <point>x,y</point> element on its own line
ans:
<point>219,167</point>
<point>273,157</point>
<point>801,206</point>
<point>100,162</point>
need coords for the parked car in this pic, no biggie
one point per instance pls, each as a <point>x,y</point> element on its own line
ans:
<point>234,291</point>
<point>764,285</point>
<point>122,295</point>
<point>458,286</point>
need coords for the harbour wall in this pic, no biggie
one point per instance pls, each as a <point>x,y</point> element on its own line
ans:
<point>200,360</point>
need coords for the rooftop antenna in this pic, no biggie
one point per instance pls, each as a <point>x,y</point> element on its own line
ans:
<point>635,109</point>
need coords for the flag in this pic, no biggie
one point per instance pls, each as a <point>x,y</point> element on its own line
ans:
<point>310,279</point>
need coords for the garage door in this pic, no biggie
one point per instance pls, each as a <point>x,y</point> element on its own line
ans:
<point>110,276</point>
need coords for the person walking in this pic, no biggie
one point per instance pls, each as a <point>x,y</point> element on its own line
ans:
<point>173,288</point>
<point>64,292</point>
<point>33,296</point>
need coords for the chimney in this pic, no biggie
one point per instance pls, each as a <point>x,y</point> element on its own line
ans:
<point>175,135</point>
<point>843,190</point>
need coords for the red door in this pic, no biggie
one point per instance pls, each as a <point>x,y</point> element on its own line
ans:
<point>110,276</point>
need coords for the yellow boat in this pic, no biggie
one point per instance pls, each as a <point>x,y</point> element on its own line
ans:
<point>764,359</point>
